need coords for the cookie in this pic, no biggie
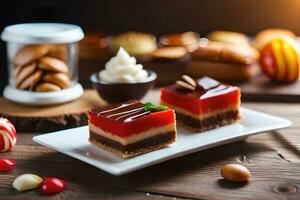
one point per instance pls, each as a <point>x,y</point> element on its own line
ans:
<point>179,39</point>
<point>60,79</point>
<point>225,52</point>
<point>46,87</point>
<point>17,70</point>
<point>135,43</point>
<point>228,37</point>
<point>52,64</point>
<point>169,53</point>
<point>59,51</point>
<point>31,81</point>
<point>223,71</point>
<point>189,40</point>
<point>29,54</point>
<point>23,72</point>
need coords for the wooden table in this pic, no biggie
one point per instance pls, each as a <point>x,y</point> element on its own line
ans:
<point>273,159</point>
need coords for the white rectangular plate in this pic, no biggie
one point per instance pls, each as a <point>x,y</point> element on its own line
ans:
<point>74,142</point>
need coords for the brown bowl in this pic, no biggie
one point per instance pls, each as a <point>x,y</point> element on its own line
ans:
<point>119,92</point>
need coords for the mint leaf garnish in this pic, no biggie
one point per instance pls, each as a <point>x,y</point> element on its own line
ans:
<point>154,108</point>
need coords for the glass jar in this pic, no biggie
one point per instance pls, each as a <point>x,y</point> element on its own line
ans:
<point>42,62</point>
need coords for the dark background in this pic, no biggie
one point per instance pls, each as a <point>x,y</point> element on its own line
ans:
<point>154,16</point>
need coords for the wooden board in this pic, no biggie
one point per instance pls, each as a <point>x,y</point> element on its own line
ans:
<point>51,118</point>
<point>273,159</point>
<point>261,88</point>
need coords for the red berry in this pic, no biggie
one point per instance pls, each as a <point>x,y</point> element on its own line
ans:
<point>53,185</point>
<point>6,164</point>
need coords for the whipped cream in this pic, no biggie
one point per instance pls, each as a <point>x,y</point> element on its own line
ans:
<point>123,69</point>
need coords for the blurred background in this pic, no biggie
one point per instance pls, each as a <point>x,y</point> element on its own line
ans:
<point>155,16</point>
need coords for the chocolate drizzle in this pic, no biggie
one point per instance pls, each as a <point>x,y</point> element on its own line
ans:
<point>124,112</point>
<point>207,87</point>
<point>210,87</point>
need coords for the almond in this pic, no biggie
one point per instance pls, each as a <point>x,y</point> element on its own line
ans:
<point>189,80</point>
<point>235,172</point>
<point>184,85</point>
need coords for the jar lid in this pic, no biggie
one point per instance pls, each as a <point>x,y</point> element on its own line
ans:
<point>33,33</point>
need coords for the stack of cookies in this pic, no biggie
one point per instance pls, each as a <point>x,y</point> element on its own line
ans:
<point>41,68</point>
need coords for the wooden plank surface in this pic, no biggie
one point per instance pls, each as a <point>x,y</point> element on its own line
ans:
<point>260,88</point>
<point>273,159</point>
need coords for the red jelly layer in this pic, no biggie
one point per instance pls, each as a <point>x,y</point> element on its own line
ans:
<point>209,98</point>
<point>125,129</point>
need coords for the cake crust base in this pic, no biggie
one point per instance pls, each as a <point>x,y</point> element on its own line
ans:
<point>208,123</point>
<point>149,144</point>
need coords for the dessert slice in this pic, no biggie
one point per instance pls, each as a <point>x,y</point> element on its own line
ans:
<point>202,104</point>
<point>132,128</point>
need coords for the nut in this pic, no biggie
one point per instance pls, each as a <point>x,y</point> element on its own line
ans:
<point>188,83</point>
<point>189,80</point>
<point>235,172</point>
<point>27,182</point>
<point>184,85</point>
